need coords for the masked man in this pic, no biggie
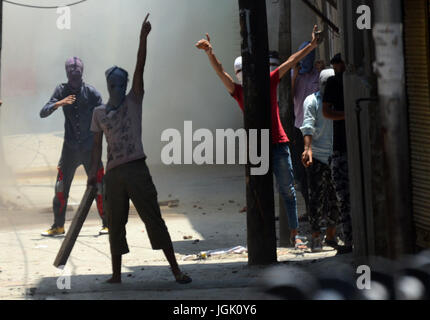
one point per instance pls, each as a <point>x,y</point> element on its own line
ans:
<point>305,81</point>
<point>77,100</point>
<point>127,175</point>
<point>282,166</point>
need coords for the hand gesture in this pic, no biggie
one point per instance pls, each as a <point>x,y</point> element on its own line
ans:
<point>146,28</point>
<point>316,35</point>
<point>67,101</point>
<point>205,44</point>
<point>307,158</point>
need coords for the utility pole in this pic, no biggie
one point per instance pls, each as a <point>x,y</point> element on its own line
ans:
<point>388,36</point>
<point>286,108</point>
<point>261,237</point>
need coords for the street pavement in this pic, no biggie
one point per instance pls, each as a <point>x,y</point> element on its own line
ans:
<point>207,217</point>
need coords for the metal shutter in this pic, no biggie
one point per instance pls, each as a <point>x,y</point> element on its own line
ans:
<point>417,40</point>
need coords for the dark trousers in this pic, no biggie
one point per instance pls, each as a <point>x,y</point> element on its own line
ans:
<point>70,160</point>
<point>300,176</point>
<point>322,196</point>
<point>339,168</point>
<point>132,181</point>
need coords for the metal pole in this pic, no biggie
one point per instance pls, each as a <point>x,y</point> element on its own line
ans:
<point>259,189</point>
<point>286,108</point>
<point>388,35</point>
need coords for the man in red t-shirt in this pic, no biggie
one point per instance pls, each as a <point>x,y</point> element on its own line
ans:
<point>282,165</point>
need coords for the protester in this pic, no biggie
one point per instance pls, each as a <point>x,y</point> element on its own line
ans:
<point>334,109</point>
<point>282,166</point>
<point>318,144</point>
<point>77,100</point>
<point>127,175</point>
<point>305,81</point>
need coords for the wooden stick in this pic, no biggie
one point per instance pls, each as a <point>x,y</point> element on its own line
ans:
<point>75,227</point>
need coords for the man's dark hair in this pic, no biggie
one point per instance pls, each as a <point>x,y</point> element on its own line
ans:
<point>336,59</point>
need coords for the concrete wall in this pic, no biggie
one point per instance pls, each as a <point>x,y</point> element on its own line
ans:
<point>302,22</point>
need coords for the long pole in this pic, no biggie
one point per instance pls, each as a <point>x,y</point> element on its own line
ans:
<point>261,230</point>
<point>286,107</point>
<point>388,34</point>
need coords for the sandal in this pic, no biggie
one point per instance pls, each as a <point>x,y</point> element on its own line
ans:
<point>298,243</point>
<point>183,279</point>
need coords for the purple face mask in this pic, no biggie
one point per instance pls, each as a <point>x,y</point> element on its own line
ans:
<point>74,71</point>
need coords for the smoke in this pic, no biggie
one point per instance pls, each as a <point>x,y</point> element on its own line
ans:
<point>179,82</point>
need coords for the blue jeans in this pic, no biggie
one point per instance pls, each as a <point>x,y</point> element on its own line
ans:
<point>283,171</point>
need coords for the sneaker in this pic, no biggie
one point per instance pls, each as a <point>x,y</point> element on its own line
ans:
<point>54,232</point>
<point>316,245</point>
<point>104,230</point>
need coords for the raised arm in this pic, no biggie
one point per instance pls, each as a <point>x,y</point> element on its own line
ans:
<point>298,56</point>
<point>226,79</point>
<point>138,85</point>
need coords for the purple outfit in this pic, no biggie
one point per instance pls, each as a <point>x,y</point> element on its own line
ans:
<point>306,84</point>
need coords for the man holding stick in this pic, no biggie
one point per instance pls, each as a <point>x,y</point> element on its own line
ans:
<point>127,175</point>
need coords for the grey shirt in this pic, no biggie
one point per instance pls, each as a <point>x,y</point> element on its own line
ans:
<point>123,130</point>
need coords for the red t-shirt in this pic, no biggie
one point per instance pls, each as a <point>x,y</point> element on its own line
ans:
<point>278,132</point>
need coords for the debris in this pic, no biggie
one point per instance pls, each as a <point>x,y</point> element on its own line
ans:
<point>188,237</point>
<point>173,204</point>
<point>196,241</point>
<point>231,201</point>
<point>169,203</point>
<point>129,275</point>
<point>244,209</point>
<point>203,213</point>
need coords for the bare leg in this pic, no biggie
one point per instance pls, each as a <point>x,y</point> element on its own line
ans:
<point>179,276</point>
<point>116,269</point>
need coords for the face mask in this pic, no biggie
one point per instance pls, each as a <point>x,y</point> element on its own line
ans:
<point>307,64</point>
<point>239,77</point>
<point>117,86</point>
<point>74,71</point>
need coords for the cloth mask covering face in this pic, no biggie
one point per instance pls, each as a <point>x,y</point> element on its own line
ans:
<point>117,85</point>
<point>238,70</point>
<point>74,71</point>
<point>307,64</point>
<point>324,76</point>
